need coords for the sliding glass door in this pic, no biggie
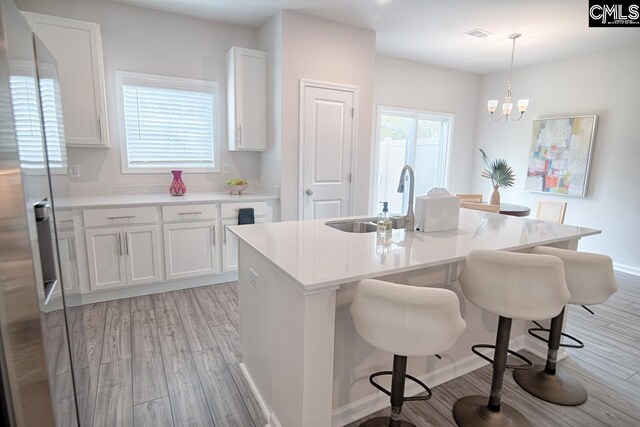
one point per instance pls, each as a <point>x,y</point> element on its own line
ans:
<point>417,138</point>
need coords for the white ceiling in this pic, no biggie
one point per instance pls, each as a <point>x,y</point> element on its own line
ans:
<point>431,30</point>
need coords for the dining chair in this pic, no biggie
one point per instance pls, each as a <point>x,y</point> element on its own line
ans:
<point>474,198</point>
<point>480,207</point>
<point>551,210</point>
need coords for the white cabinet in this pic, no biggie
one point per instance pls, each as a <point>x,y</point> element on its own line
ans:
<point>68,261</point>
<point>230,244</point>
<point>247,98</point>
<point>190,249</point>
<point>123,256</point>
<point>77,47</point>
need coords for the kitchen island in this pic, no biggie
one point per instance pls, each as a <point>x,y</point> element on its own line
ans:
<point>301,353</point>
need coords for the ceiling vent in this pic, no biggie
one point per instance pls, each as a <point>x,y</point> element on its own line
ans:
<point>478,33</point>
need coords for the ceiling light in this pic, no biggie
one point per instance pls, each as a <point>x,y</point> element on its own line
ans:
<point>507,105</point>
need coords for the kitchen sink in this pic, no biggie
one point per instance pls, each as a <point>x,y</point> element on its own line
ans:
<point>353,226</point>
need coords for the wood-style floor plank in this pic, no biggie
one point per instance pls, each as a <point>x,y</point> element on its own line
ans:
<point>113,404</point>
<point>211,308</point>
<point>166,310</point>
<point>188,402</point>
<point>247,396</point>
<point>227,295</point>
<point>228,340</point>
<point>227,406</point>
<point>117,331</point>
<point>149,381</point>
<point>195,326</point>
<point>141,303</point>
<point>94,314</point>
<point>156,413</point>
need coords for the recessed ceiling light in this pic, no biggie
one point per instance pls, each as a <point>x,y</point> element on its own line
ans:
<point>478,33</point>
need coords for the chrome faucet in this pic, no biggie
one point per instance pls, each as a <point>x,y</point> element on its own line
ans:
<point>408,219</point>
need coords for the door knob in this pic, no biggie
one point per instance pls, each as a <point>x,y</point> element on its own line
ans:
<point>309,192</point>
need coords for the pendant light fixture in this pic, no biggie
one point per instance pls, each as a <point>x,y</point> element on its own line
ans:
<point>507,105</point>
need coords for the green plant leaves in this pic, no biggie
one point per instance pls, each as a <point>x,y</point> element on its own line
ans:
<point>499,172</point>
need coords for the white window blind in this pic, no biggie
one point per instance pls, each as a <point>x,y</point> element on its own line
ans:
<point>26,115</point>
<point>168,123</point>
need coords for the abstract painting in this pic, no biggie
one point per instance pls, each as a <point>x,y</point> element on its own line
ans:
<point>560,155</point>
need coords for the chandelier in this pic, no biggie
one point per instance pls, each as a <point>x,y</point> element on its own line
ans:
<point>507,105</point>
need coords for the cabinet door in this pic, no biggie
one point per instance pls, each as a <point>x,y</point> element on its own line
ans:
<point>77,47</point>
<point>68,261</point>
<point>142,254</point>
<point>230,245</point>
<point>105,257</point>
<point>249,70</point>
<point>190,249</point>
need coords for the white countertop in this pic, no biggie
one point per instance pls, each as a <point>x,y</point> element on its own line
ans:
<point>162,199</point>
<point>320,257</point>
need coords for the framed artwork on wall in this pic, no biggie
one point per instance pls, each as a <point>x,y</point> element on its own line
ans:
<point>560,155</point>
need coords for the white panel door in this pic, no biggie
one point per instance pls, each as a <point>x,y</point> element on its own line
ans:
<point>190,249</point>
<point>230,245</point>
<point>105,255</point>
<point>327,133</point>
<point>142,254</point>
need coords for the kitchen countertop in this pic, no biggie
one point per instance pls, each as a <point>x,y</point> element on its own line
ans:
<point>161,199</point>
<point>319,257</point>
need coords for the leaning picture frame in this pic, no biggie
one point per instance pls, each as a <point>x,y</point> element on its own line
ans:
<point>560,155</point>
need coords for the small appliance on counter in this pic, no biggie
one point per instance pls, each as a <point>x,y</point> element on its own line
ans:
<point>437,211</point>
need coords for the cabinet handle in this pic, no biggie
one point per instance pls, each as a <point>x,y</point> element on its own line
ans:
<point>120,244</point>
<point>213,234</point>
<point>126,242</point>
<point>74,254</point>
<point>121,217</point>
<point>189,213</point>
<point>224,227</point>
<point>100,128</point>
<point>239,135</point>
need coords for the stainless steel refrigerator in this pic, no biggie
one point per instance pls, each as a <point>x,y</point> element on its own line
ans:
<point>37,375</point>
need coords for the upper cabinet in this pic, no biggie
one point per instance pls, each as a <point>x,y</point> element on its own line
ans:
<point>247,99</point>
<point>77,47</point>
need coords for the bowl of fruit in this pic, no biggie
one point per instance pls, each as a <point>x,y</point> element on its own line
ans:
<point>236,185</point>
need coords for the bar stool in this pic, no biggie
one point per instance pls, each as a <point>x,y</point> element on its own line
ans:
<point>405,321</point>
<point>590,280</point>
<point>513,286</point>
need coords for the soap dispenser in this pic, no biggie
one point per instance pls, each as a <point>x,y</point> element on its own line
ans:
<point>384,220</point>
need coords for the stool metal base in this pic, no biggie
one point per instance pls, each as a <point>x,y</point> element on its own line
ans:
<point>472,411</point>
<point>385,422</point>
<point>560,388</point>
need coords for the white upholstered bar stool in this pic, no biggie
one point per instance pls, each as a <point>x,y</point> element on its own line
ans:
<point>513,286</point>
<point>405,321</point>
<point>590,280</point>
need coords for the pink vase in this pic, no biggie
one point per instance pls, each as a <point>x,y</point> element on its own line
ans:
<point>177,187</point>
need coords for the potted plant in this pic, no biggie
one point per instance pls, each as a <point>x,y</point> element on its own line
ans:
<point>500,174</point>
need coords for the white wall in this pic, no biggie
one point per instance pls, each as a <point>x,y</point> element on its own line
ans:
<point>148,41</point>
<point>316,49</point>
<point>605,84</point>
<point>408,84</point>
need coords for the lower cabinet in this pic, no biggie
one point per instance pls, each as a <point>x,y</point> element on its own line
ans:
<point>123,256</point>
<point>190,249</point>
<point>230,245</point>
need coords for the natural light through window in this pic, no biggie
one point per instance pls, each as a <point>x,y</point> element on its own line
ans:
<point>420,139</point>
<point>168,123</point>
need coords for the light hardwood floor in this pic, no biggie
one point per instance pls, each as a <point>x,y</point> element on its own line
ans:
<point>172,359</point>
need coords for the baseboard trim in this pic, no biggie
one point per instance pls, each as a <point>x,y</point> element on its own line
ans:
<point>273,421</point>
<point>627,269</point>
<point>374,402</point>
<point>155,288</point>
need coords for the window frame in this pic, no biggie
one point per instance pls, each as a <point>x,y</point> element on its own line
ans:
<point>168,82</point>
<point>407,112</point>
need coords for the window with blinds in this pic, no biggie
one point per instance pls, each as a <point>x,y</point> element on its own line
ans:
<point>26,106</point>
<point>168,123</point>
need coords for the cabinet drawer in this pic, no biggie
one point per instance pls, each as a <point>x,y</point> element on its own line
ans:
<point>120,216</point>
<point>230,210</point>
<point>189,213</point>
